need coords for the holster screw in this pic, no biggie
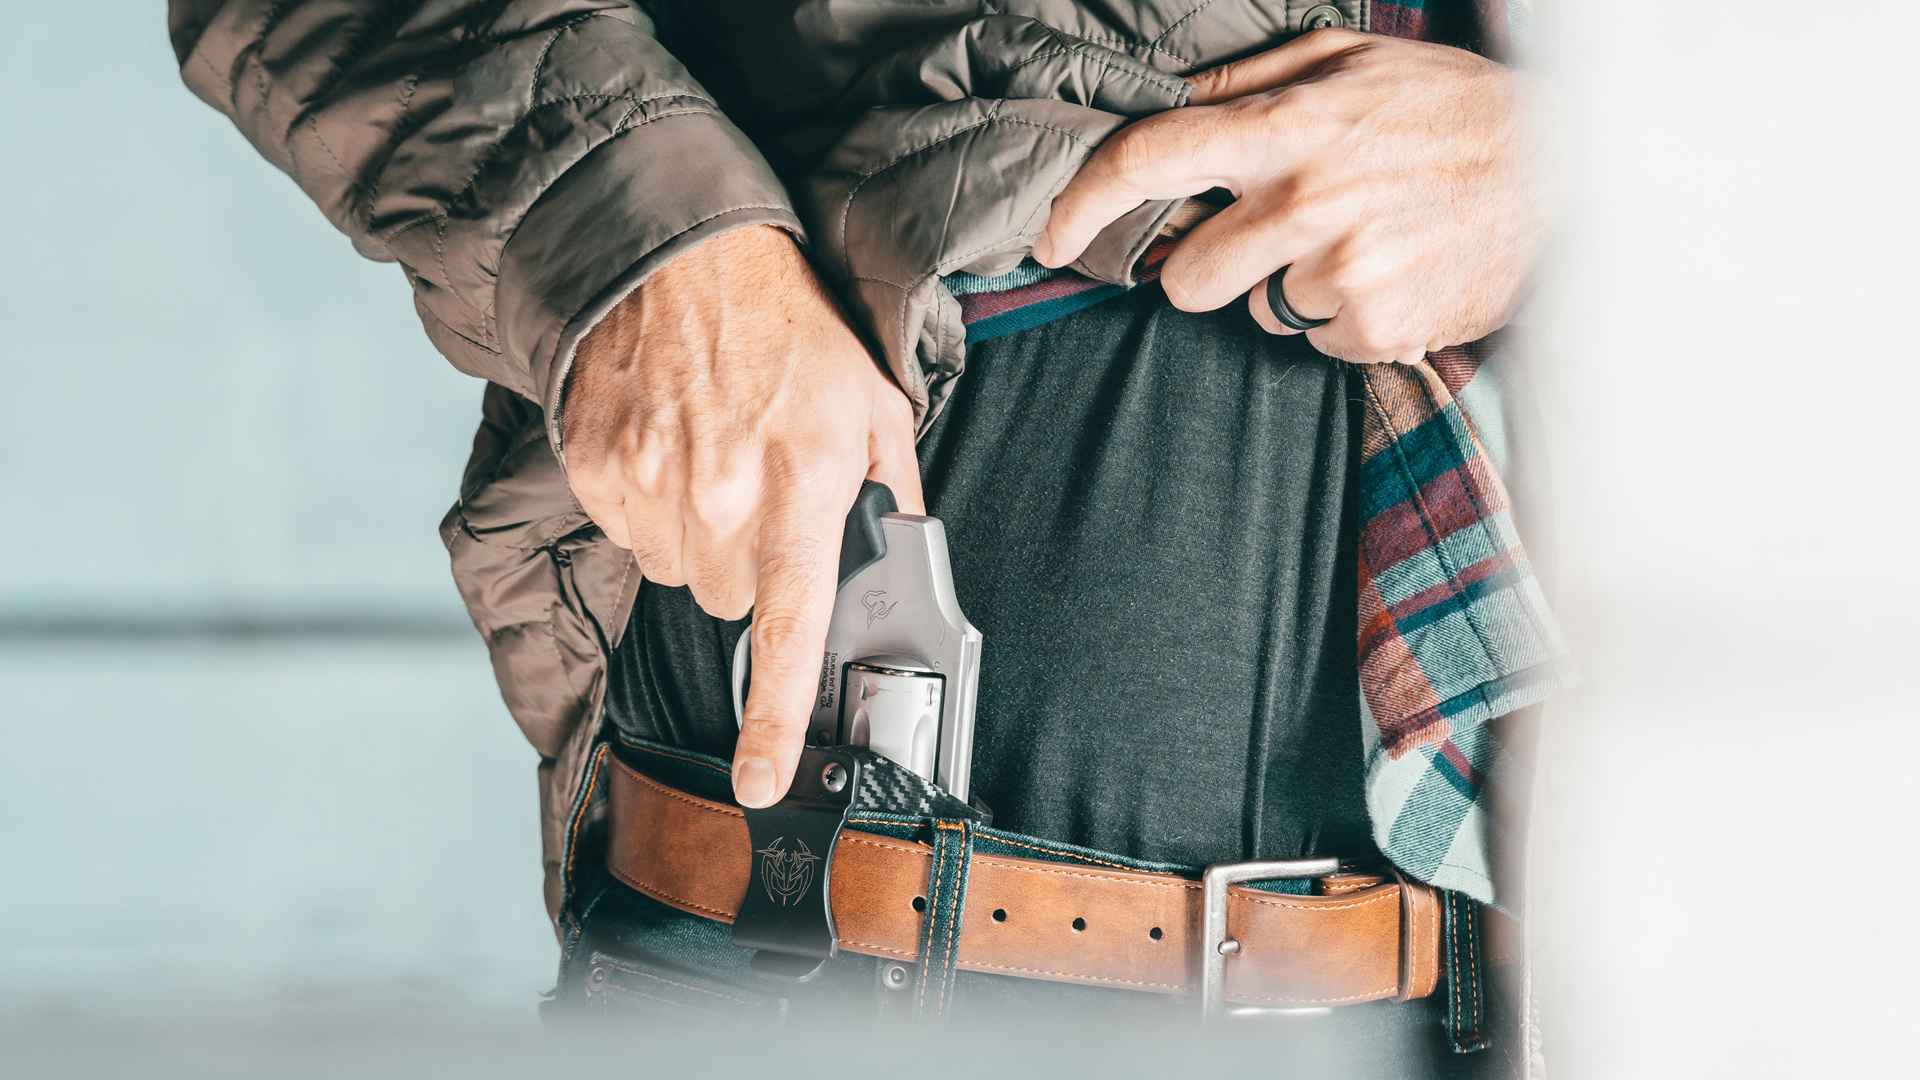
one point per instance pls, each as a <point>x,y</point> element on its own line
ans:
<point>834,777</point>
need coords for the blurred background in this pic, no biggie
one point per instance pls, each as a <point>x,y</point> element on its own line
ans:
<point>257,789</point>
<point>253,767</point>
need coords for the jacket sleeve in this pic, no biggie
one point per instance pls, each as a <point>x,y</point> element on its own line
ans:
<point>527,162</point>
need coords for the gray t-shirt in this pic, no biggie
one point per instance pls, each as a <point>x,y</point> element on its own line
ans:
<point>1151,520</point>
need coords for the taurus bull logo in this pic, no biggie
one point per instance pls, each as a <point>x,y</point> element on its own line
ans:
<point>876,608</point>
<point>786,874</point>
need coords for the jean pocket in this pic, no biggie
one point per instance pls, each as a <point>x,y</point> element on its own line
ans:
<point>639,984</point>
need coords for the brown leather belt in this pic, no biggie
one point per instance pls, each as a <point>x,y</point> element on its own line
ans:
<point>1051,920</point>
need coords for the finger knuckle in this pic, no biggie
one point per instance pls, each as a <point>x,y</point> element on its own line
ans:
<point>1369,340</point>
<point>1314,205</point>
<point>716,584</point>
<point>1212,84</point>
<point>801,465</point>
<point>719,505</point>
<point>1380,341</point>
<point>1130,151</point>
<point>1343,34</point>
<point>651,553</point>
<point>725,605</point>
<point>783,637</point>
<point>594,483</point>
<point>1351,271</point>
<point>1301,113</point>
<point>791,565</point>
<point>1345,277</point>
<point>1179,291</point>
<point>1303,99</point>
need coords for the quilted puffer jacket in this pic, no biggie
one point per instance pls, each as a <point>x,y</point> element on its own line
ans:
<point>529,162</point>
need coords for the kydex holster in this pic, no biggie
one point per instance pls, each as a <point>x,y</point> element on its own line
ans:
<point>899,677</point>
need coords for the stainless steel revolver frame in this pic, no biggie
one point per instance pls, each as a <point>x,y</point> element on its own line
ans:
<point>901,671</point>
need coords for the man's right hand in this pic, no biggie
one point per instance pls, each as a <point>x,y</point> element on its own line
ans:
<point>718,424</point>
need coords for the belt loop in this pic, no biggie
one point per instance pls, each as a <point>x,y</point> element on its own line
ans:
<point>1466,992</point>
<point>940,930</point>
<point>1405,989</point>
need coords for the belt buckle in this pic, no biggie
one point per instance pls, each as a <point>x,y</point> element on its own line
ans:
<point>1216,946</point>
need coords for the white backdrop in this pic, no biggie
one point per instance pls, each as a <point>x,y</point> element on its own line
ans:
<point>1732,800</point>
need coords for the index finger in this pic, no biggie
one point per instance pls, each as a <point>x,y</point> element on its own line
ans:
<point>793,603</point>
<point>1170,155</point>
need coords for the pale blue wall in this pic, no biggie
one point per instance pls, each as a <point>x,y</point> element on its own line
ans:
<point>216,406</point>
<point>218,412</point>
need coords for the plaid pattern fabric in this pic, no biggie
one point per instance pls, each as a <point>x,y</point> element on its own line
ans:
<point>1454,628</point>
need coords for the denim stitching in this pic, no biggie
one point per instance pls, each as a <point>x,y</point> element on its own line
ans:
<point>649,997</point>
<point>670,982</point>
<point>1473,970</point>
<point>1063,854</point>
<point>939,872</point>
<point>953,917</point>
<point>580,815</point>
<point>1453,987</point>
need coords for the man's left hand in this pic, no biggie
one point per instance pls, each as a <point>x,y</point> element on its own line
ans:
<point>1403,183</point>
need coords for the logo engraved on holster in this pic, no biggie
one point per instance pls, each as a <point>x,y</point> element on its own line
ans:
<point>787,875</point>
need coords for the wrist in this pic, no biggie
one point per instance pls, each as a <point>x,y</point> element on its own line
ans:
<point>704,281</point>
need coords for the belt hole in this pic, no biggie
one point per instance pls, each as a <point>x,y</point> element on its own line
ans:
<point>1079,925</point>
<point>919,903</point>
<point>1154,933</point>
<point>999,914</point>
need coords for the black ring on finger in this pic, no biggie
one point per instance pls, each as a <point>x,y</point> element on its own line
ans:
<point>1277,300</point>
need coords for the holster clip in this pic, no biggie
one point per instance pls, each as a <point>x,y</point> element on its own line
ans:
<point>787,914</point>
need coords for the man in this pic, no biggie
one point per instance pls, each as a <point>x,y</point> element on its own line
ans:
<point>1154,501</point>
